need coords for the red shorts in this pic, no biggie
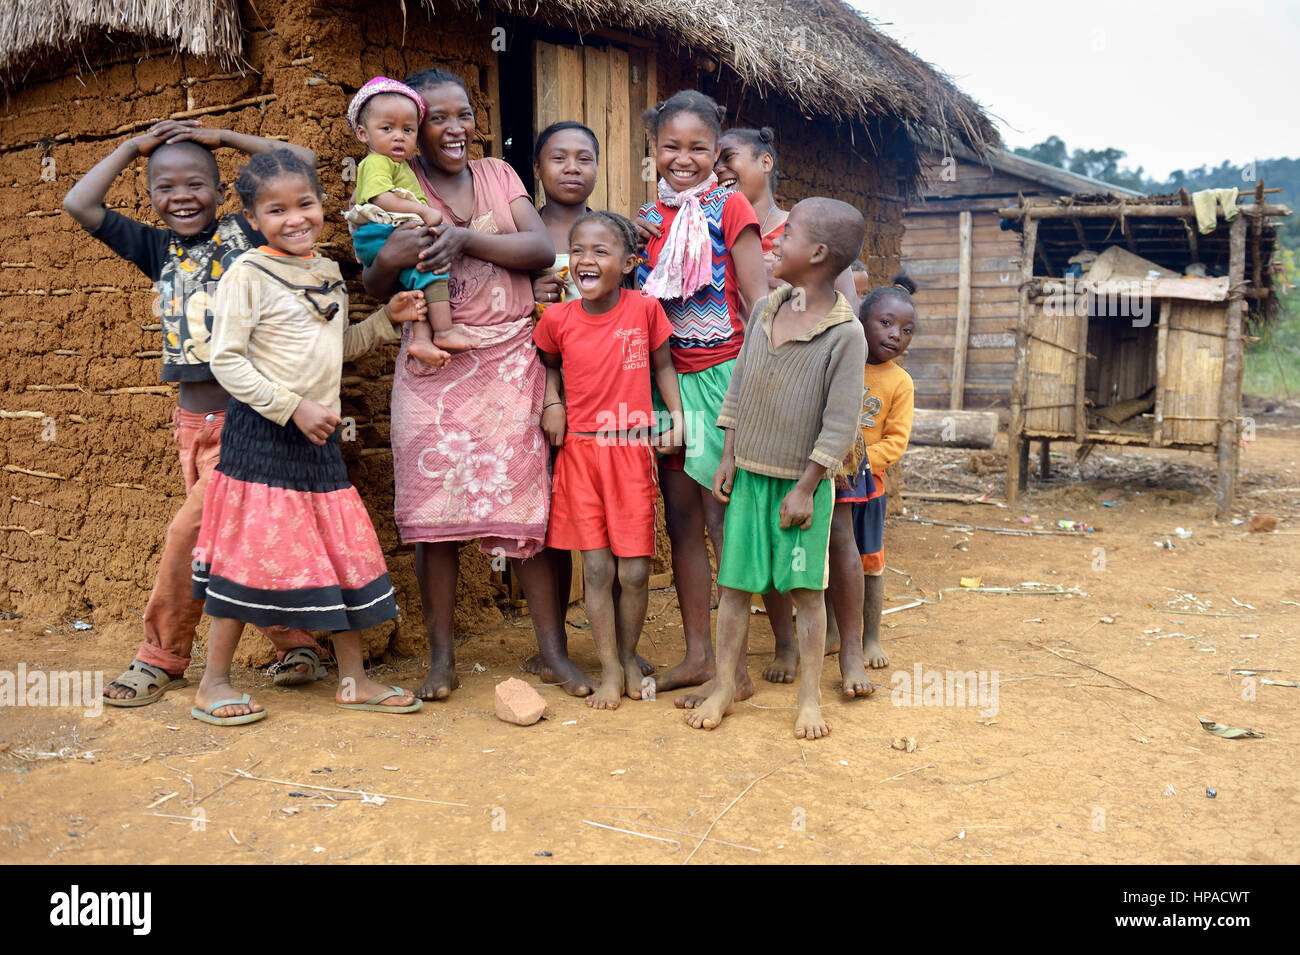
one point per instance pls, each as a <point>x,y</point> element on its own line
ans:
<point>603,495</point>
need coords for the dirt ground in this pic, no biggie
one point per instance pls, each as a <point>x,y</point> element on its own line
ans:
<point>1094,753</point>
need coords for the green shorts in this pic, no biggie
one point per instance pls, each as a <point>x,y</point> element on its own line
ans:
<point>757,554</point>
<point>702,394</point>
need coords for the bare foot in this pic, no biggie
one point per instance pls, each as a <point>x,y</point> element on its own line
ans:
<point>709,713</point>
<point>441,680</point>
<point>610,692</point>
<point>784,665</point>
<point>696,698</point>
<point>876,658</point>
<point>856,682</point>
<point>632,680</point>
<point>565,674</point>
<point>534,665</point>
<point>456,338</point>
<point>359,691</point>
<point>209,693</point>
<point>686,673</point>
<point>809,723</point>
<point>428,354</point>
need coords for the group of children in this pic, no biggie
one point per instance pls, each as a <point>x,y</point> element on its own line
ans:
<point>698,352</point>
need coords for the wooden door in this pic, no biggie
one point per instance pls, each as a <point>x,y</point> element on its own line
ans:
<point>1053,387</point>
<point>607,88</point>
<point>1193,373</point>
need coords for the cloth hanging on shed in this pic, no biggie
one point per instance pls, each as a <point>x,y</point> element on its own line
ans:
<point>1204,202</point>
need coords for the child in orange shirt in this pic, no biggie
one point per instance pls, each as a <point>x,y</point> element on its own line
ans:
<point>858,525</point>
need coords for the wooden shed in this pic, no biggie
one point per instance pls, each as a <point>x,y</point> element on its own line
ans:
<point>1149,355</point>
<point>966,269</point>
<point>89,468</point>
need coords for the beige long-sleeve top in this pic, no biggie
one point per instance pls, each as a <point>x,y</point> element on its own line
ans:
<point>271,349</point>
<point>799,402</point>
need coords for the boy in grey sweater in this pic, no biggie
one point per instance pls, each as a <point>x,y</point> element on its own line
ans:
<point>790,416</point>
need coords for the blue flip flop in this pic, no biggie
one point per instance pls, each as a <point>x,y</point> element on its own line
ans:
<point>205,715</point>
<point>376,705</point>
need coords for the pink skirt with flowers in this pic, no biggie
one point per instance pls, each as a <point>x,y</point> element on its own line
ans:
<point>286,540</point>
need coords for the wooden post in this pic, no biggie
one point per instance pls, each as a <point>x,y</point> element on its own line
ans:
<point>622,156</point>
<point>595,112</point>
<point>651,97</point>
<point>1044,460</point>
<point>1230,389</point>
<point>1016,447</point>
<point>1081,371</point>
<point>962,334</point>
<point>1162,349</point>
<point>497,147</point>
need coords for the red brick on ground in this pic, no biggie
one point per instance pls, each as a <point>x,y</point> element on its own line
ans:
<point>517,702</point>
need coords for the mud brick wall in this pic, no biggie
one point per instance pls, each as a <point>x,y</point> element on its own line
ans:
<point>88,467</point>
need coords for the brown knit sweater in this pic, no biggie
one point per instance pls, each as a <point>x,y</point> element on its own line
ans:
<point>799,402</point>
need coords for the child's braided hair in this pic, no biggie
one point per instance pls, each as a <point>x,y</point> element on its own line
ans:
<point>621,226</point>
<point>901,289</point>
<point>272,164</point>
<point>686,101</point>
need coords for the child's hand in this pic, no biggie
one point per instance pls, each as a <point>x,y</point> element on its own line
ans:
<point>407,307</point>
<point>797,509</point>
<point>671,441</point>
<point>431,216</point>
<point>724,479</point>
<point>146,142</point>
<point>646,230</point>
<point>548,289</point>
<point>178,130</point>
<point>553,423</point>
<point>315,421</point>
<point>448,246</point>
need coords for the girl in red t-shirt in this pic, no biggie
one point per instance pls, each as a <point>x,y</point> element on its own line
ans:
<point>603,492</point>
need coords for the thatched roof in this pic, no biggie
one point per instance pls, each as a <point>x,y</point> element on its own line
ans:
<point>29,28</point>
<point>826,56</point>
<point>823,53</point>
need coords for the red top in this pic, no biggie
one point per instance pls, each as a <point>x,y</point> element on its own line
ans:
<point>709,327</point>
<point>606,359</point>
<point>768,238</point>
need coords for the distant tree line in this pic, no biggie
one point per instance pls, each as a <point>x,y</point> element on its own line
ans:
<point>1104,164</point>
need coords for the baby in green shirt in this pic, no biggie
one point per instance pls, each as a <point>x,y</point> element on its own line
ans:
<point>386,117</point>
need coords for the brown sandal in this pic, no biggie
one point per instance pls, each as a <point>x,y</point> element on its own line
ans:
<point>139,677</point>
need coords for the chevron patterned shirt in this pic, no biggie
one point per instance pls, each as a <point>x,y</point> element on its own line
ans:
<point>709,327</point>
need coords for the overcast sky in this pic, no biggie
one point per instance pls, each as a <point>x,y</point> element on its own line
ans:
<point>1173,84</point>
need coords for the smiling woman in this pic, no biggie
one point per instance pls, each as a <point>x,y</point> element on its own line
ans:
<point>469,455</point>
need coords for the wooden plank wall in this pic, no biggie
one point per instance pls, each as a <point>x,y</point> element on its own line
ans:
<point>932,250</point>
<point>607,87</point>
<point>932,257</point>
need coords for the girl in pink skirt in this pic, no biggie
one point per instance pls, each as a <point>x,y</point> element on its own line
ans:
<point>285,538</point>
